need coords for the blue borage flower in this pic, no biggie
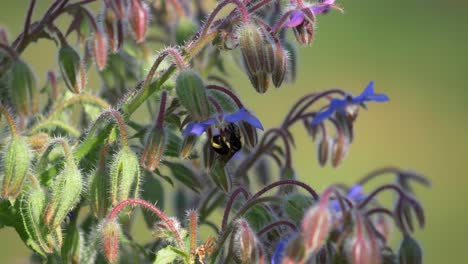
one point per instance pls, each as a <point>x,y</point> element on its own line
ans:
<point>198,128</point>
<point>337,104</point>
<point>355,194</point>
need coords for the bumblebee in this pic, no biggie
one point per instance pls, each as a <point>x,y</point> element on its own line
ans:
<point>228,142</point>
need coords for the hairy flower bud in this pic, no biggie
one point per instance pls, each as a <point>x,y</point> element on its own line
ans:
<point>362,246</point>
<point>247,245</point>
<point>73,245</point>
<point>185,29</point>
<point>114,30</point>
<point>32,204</point>
<point>255,53</point>
<point>187,145</point>
<point>249,134</point>
<point>110,231</point>
<point>124,176</point>
<point>304,32</point>
<point>64,194</point>
<point>291,50</point>
<point>410,251</point>
<point>99,183</point>
<point>100,50</point>
<point>154,148</point>
<point>23,90</point>
<point>72,69</point>
<point>280,66</point>
<point>339,149</point>
<point>15,165</point>
<point>289,250</point>
<point>192,94</point>
<point>138,18</point>
<point>38,142</point>
<point>316,226</point>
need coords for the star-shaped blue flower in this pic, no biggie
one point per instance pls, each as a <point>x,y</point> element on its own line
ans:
<point>337,104</point>
<point>198,128</point>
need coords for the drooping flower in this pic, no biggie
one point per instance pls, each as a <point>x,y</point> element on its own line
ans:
<point>198,128</point>
<point>297,17</point>
<point>337,104</point>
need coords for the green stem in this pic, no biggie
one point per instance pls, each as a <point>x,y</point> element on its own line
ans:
<point>50,124</point>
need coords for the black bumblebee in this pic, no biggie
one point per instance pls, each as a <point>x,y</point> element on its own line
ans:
<point>228,142</point>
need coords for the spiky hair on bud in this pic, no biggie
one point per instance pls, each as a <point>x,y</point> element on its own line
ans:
<point>109,231</point>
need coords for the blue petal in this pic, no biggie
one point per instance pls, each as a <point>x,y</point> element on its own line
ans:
<point>295,19</point>
<point>335,104</point>
<point>244,115</point>
<point>355,193</point>
<point>369,95</point>
<point>279,251</point>
<point>197,128</point>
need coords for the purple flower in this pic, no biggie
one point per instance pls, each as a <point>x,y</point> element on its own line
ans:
<point>337,104</point>
<point>297,17</point>
<point>354,194</point>
<point>198,128</point>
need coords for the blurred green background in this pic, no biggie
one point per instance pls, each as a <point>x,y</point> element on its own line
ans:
<point>415,51</point>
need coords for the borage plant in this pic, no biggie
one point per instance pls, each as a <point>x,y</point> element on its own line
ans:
<point>76,163</point>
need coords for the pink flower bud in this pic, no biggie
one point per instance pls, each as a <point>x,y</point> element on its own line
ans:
<point>316,226</point>
<point>247,245</point>
<point>138,19</point>
<point>110,231</point>
<point>100,50</point>
<point>363,246</point>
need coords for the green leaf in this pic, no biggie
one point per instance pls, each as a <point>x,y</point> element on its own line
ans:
<point>166,255</point>
<point>185,175</point>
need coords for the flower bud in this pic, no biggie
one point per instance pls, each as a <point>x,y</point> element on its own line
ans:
<point>316,226</point>
<point>154,148</point>
<point>38,142</point>
<point>291,50</point>
<point>362,246</point>
<point>192,94</point>
<point>246,243</point>
<point>249,134</point>
<point>410,251</point>
<point>323,149</point>
<point>110,231</point>
<point>23,90</point>
<point>32,204</point>
<point>339,148</point>
<point>304,32</point>
<point>280,65</point>
<point>208,156</point>
<point>98,189</point>
<point>72,69</point>
<point>295,204</point>
<point>73,245</point>
<point>289,250</point>
<point>185,30</point>
<point>255,54</point>
<point>114,30</point>
<point>100,50</point>
<point>15,166</point>
<point>64,194</point>
<point>124,176</point>
<point>138,19</point>
<point>187,145</point>
<point>383,225</point>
